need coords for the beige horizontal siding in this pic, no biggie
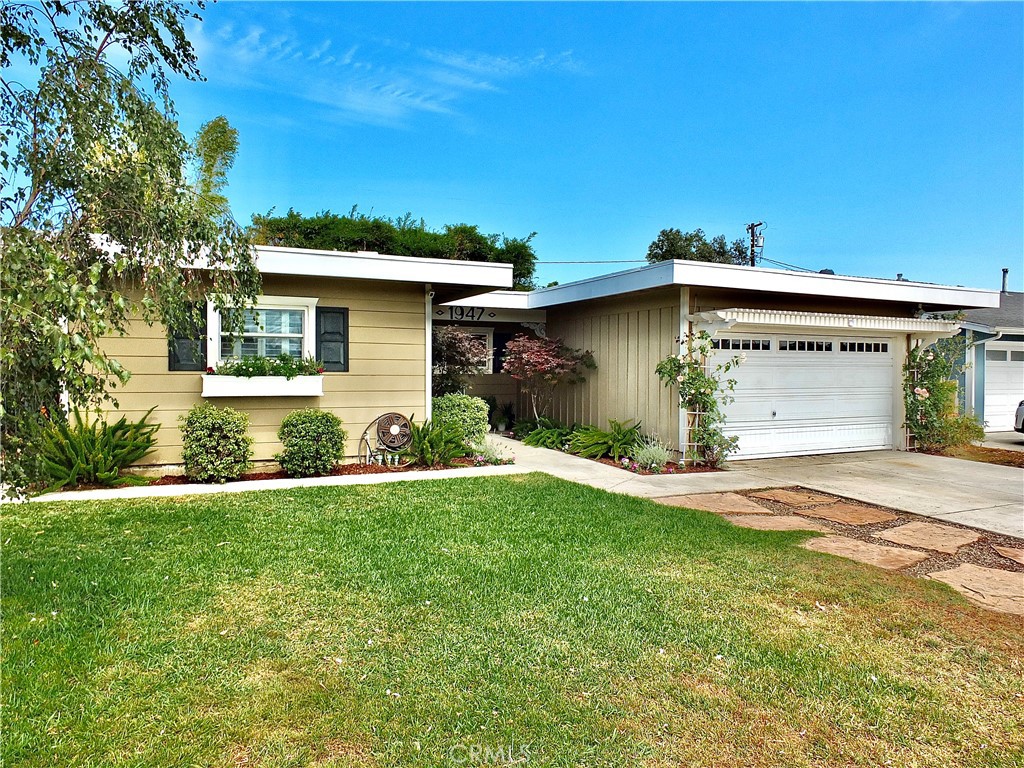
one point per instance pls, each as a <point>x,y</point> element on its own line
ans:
<point>627,336</point>
<point>386,368</point>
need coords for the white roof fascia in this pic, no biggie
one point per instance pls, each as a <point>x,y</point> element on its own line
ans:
<point>370,265</point>
<point>495,300</point>
<point>731,277</point>
<point>735,317</point>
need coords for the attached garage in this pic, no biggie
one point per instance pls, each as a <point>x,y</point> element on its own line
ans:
<point>1004,383</point>
<point>805,393</point>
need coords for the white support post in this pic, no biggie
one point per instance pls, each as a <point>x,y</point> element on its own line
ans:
<point>428,354</point>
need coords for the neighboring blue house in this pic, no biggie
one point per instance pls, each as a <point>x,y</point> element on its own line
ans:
<point>993,385</point>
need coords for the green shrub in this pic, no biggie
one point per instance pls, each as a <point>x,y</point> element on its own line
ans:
<point>523,427</point>
<point>79,453</point>
<point>436,445</point>
<point>467,413</point>
<point>216,443</point>
<point>549,434</point>
<point>594,443</point>
<point>313,441</point>
<point>650,454</point>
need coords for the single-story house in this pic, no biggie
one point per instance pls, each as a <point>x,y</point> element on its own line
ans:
<point>365,316</point>
<point>993,384</point>
<point>824,353</point>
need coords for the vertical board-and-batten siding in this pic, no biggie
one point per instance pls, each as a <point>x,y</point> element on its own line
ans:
<point>387,356</point>
<point>628,336</point>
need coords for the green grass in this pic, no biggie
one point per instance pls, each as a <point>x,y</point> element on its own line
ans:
<point>402,624</point>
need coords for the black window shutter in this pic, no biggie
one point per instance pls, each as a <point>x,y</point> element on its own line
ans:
<point>186,347</point>
<point>332,338</point>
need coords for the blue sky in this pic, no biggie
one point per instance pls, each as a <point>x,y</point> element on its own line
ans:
<point>872,138</point>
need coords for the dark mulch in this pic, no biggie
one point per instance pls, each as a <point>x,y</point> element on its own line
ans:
<point>978,553</point>
<point>999,456</point>
<point>340,470</point>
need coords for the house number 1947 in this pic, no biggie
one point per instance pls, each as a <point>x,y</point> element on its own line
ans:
<point>465,313</point>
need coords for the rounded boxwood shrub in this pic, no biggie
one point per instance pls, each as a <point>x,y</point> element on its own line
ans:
<point>216,443</point>
<point>313,442</point>
<point>467,413</point>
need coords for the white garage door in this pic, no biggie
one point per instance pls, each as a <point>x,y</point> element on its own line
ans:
<point>799,394</point>
<point>1004,383</point>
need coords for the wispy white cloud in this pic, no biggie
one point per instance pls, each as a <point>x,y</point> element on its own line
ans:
<point>387,83</point>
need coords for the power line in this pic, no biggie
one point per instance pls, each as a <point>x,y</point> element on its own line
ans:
<point>598,261</point>
<point>784,264</point>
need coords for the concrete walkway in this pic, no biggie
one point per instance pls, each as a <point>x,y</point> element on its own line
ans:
<point>972,493</point>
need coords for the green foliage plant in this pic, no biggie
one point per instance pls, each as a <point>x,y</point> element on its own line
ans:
<point>547,434</point>
<point>282,365</point>
<point>434,445</point>
<point>930,397</point>
<point>216,446</point>
<point>593,443</point>
<point>673,244</point>
<point>81,452</point>
<point>314,442</point>
<point>650,454</point>
<point>402,236</point>
<point>467,413</point>
<point>702,390</point>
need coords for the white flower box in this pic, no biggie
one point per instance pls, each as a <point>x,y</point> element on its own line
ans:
<point>262,386</point>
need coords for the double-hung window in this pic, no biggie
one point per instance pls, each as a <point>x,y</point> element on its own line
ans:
<point>275,326</point>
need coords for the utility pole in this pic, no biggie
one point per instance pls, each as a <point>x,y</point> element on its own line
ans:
<point>756,240</point>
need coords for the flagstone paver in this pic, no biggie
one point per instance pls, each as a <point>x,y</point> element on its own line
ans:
<point>793,498</point>
<point>722,503</point>
<point>989,587</point>
<point>849,514</point>
<point>938,538</point>
<point>1017,555</point>
<point>890,558</point>
<point>778,523</point>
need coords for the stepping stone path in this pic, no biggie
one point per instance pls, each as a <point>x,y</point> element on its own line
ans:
<point>850,514</point>
<point>721,503</point>
<point>890,558</point>
<point>938,538</point>
<point>777,523</point>
<point>793,498</point>
<point>1017,555</point>
<point>988,587</point>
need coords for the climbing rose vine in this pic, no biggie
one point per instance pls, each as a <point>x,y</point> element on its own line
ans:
<point>702,391</point>
<point>930,397</point>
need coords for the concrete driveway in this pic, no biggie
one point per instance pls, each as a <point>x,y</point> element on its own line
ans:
<point>1009,441</point>
<point>972,493</point>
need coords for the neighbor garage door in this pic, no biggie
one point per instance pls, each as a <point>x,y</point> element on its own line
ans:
<point>1004,383</point>
<point>799,394</point>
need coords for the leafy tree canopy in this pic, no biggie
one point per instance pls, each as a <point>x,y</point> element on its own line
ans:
<point>694,246</point>
<point>403,236</point>
<point>456,355</point>
<point>100,222</point>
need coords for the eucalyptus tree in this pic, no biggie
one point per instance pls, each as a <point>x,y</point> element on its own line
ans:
<point>102,225</point>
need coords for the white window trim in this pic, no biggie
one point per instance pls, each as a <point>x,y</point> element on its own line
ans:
<point>307,304</point>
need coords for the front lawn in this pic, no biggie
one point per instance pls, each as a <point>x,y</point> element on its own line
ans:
<point>463,622</point>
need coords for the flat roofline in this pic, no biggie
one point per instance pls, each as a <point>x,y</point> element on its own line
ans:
<point>370,265</point>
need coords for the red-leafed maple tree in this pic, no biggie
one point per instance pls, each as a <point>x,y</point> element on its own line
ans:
<point>540,365</point>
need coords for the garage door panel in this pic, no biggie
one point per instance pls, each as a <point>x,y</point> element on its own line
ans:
<point>823,401</point>
<point>1004,384</point>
